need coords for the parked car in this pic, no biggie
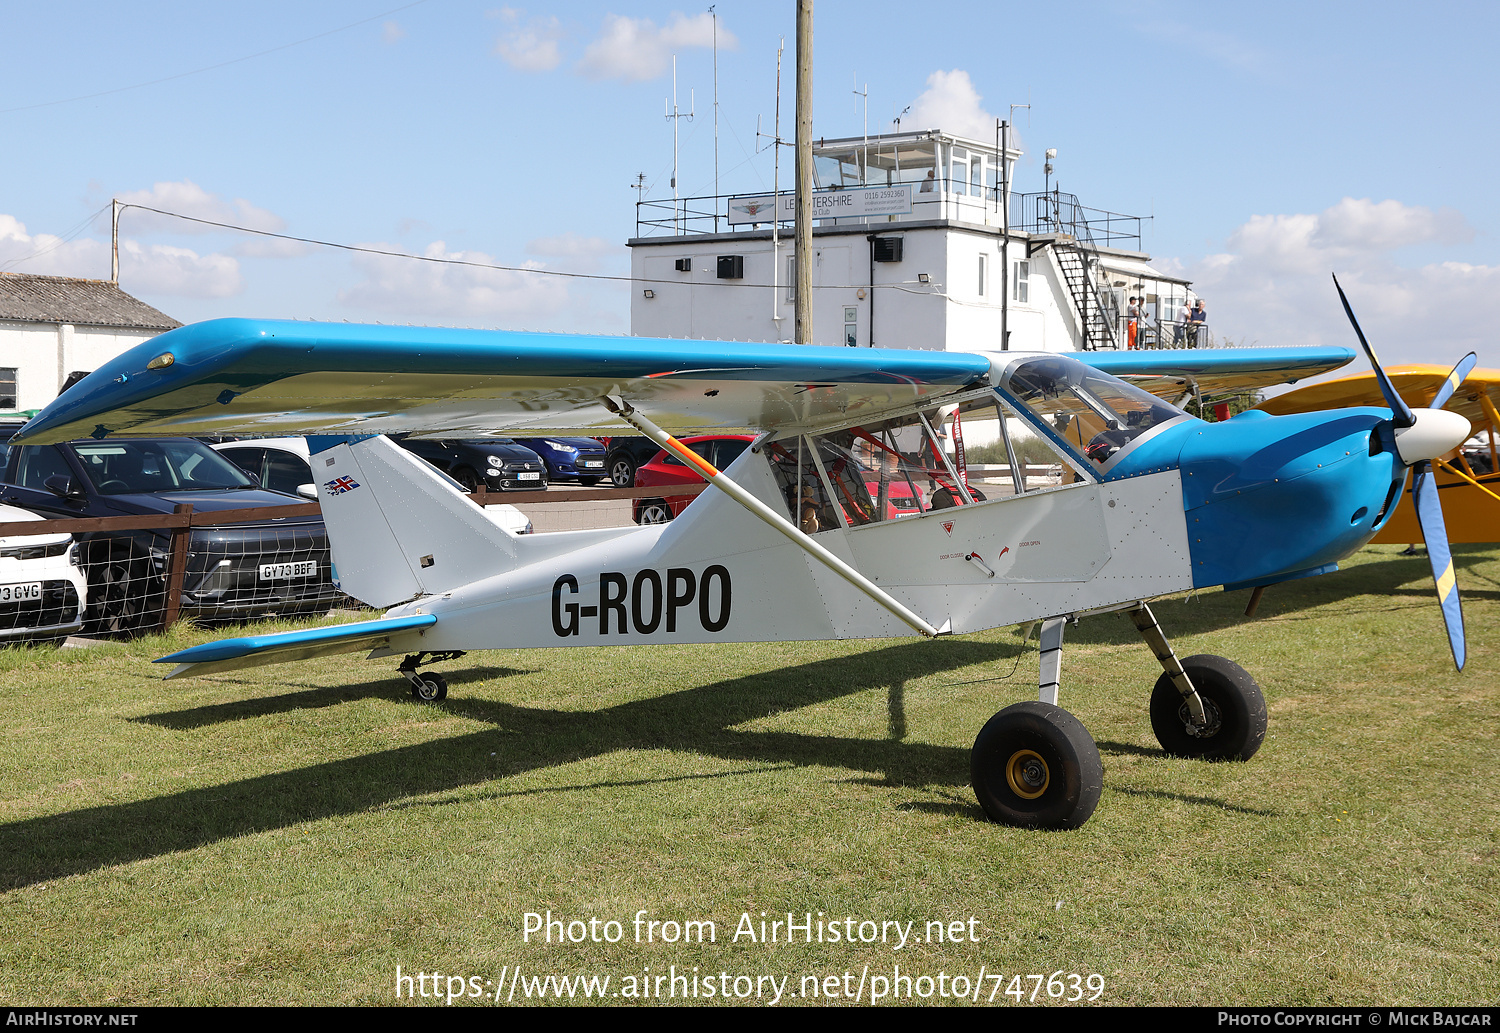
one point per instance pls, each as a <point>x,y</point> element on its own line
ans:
<point>280,464</point>
<point>569,459</point>
<point>285,464</point>
<point>624,455</point>
<point>501,464</point>
<point>280,565</point>
<point>665,470</point>
<point>42,587</point>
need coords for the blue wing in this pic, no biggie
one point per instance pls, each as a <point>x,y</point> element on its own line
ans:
<point>239,376</point>
<point>1218,371</point>
<point>271,377</point>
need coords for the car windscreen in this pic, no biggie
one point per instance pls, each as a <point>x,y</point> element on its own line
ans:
<point>125,467</point>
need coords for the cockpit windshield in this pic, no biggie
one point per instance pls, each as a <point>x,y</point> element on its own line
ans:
<point>1096,413</point>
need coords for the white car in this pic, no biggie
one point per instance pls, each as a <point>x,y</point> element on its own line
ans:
<point>284,465</point>
<point>41,585</point>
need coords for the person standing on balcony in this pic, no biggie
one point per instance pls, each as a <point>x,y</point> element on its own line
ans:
<point>1132,321</point>
<point>1196,319</point>
<point>927,183</point>
<point>1181,324</point>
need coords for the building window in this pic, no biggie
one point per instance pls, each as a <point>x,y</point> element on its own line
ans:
<point>851,325</point>
<point>984,273</point>
<point>7,388</point>
<point>1023,284</point>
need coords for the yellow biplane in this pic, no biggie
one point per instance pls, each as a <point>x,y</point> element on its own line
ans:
<point>1468,478</point>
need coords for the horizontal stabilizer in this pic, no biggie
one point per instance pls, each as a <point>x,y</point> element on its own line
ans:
<point>254,650</point>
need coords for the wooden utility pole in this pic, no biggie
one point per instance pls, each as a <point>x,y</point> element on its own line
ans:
<point>803,249</point>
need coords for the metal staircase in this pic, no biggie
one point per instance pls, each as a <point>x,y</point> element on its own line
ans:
<point>1098,331</point>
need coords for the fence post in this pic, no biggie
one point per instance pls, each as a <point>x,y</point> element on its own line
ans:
<point>177,565</point>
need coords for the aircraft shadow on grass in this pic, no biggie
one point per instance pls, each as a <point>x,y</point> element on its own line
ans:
<point>698,720</point>
<point>313,698</point>
<point>1395,583</point>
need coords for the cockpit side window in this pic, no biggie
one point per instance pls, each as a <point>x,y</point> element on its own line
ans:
<point>1096,414</point>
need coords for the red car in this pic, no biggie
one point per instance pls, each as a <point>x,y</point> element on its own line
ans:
<point>665,470</point>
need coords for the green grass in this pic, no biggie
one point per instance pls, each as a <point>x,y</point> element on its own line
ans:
<point>291,834</point>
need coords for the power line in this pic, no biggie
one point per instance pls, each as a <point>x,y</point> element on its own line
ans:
<point>529,270</point>
<point>66,238</point>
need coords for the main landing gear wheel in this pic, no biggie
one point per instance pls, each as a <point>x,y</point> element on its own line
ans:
<point>429,688</point>
<point>1232,701</point>
<point>1035,766</point>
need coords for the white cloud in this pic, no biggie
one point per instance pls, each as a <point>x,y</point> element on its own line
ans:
<point>407,288</point>
<point>635,49</point>
<point>952,104</point>
<point>1272,285</point>
<point>188,198</point>
<point>392,32</point>
<point>529,46</point>
<point>584,254</point>
<point>155,268</point>
<point>49,255</point>
<point>162,269</point>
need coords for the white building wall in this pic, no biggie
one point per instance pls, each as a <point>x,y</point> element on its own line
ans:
<point>949,313</point>
<point>43,354</point>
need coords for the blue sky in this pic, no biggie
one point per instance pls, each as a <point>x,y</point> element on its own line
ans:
<point>1273,143</point>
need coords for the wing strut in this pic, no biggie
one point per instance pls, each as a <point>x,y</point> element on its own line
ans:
<point>711,474</point>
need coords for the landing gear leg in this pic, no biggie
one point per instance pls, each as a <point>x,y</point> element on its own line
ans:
<point>1204,706</point>
<point>1033,764</point>
<point>1145,623</point>
<point>430,687</point>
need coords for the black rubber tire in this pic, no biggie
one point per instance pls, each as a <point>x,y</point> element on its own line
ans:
<point>654,511</point>
<point>431,688</point>
<point>1233,701</point>
<point>124,597</point>
<point>622,471</point>
<point>589,482</point>
<point>468,478</point>
<point>1041,749</point>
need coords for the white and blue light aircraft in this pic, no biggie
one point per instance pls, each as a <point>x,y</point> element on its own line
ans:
<point>801,539</point>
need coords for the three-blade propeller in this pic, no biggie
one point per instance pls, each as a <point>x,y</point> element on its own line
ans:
<point>1424,484</point>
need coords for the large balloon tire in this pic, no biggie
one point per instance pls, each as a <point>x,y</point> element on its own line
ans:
<point>1232,700</point>
<point>1035,766</point>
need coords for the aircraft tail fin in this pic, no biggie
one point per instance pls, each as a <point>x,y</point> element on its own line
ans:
<point>398,528</point>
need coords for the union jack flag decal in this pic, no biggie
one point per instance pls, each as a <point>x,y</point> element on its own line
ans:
<point>340,485</point>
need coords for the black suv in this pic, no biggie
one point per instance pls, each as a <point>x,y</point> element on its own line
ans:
<point>626,455</point>
<point>233,571</point>
<point>500,463</point>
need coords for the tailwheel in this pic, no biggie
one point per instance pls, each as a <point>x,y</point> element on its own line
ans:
<point>1232,702</point>
<point>429,688</point>
<point>1035,766</point>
